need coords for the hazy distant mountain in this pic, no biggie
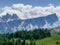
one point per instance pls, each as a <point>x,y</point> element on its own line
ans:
<point>10,23</point>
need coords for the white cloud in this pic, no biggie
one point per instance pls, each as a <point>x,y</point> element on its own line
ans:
<point>28,11</point>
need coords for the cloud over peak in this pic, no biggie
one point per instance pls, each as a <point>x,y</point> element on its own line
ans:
<point>28,11</point>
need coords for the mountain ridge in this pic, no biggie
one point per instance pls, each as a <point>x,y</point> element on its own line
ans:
<point>12,22</point>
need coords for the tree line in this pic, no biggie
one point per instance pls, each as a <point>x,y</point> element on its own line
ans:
<point>31,34</point>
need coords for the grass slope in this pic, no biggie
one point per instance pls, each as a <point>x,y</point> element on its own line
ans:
<point>49,40</point>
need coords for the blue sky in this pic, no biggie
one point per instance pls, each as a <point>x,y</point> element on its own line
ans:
<point>30,8</point>
<point>31,2</point>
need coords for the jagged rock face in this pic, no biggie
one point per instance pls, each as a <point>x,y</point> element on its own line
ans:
<point>40,21</point>
<point>10,22</point>
<point>51,18</point>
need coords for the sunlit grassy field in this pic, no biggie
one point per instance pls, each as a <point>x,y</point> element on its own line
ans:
<point>48,41</point>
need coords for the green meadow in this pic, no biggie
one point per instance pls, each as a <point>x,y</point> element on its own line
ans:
<point>48,40</point>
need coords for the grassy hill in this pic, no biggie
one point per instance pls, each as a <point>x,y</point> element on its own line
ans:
<point>48,41</point>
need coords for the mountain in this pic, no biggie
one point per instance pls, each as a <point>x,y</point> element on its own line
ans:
<point>12,23</point>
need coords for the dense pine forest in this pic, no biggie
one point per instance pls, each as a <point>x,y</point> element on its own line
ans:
<point>31,34</point>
